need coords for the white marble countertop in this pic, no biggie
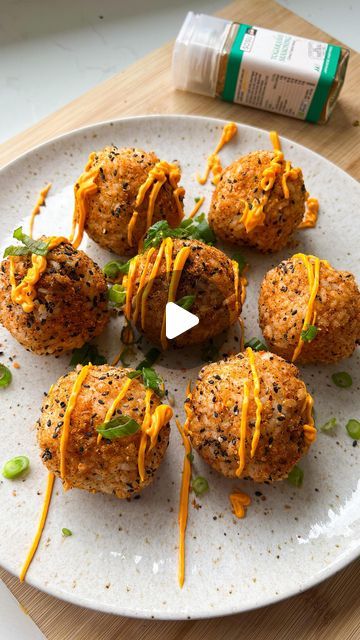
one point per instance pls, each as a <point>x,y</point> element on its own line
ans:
<point>51,52</point>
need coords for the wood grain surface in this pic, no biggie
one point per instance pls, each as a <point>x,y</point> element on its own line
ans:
<point>331,610</point>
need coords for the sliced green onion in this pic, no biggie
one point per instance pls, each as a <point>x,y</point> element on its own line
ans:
<point>15,467</point>
<point>353,429</point>
<point>190,456</point>
<point>256,345</point>
<point>117,295</point>
<point>186,302</point>
<point>296,476</point>
<point>329,425</point>
<point>66,532</point>
<point>197,199</point>
<point>200,485</point>
<point>114,267</point>
<point>152,380</point>
<point>5,376</point>
<point>308,334</point>
<point>118,427</point>
<point>342,379</point>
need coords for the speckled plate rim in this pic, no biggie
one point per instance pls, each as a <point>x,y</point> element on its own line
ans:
<point>349,556</point>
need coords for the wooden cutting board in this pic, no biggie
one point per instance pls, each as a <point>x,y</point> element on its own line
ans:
<point>329,611</point>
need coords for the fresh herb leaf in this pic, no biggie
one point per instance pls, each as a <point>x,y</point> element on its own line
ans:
<point>329,425</point>
<point>150,358</point>
<point>152,380</point>
<point>87,353</point>
<point>114,267</point>
<point>309,333</point>
<point>186,302</point>
<point>117,295</point>
<point>16,250</point>
<point>296,476</point>
<point>239,258</point>
<point>118,427</point>
<point>342,379</point>
<point>196,228</point>
<point>256,345</point>
<point>66,532</point>
<point>200,485</point>
<point>133,374</point>
<point>5,376</point>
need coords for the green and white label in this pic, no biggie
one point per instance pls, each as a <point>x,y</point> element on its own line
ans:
<point>278,72</point>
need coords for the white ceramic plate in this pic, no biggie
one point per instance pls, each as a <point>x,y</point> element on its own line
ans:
<point>122,557</point>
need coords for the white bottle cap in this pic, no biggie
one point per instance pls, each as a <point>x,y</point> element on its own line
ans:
<point>196,54</point>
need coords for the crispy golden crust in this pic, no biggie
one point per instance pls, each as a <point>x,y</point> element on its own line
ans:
<point>208,274</point>
<point>108,467</point>
<point>283,300</point>
<point>241,181</point>
<point>70,307</point>
<point>216,404</point>
<point>122,172</point>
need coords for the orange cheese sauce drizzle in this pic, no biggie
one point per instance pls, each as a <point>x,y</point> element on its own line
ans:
<point>235,266</point>
<point>177,269</point>
<point>213,163</point>
<point>84,187</point>
<point>309,428</point>
<point>151,427</point>
<point>239,501</point>
<point>184,502</point>
<point>36,210</point>
<point>40,528</point>
<point>198,205</point>
<point>244,414</point>
<point>24,293</point>
<point>312,265</point>
<point>254,216</point>
<point>256,383</point>
<point>157,176</point>
<point>67,418</point>
<point>311,214</point>
<point>174,270</point>
<point>110,412</point>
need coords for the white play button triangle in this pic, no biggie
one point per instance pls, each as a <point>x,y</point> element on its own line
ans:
<point>178,320</point>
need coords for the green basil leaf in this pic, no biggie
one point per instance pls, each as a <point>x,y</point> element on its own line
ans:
<point>39,247</point>
<point>186,302</point>
<point>152,380</point>
<point>85,354</point>
<point>16,250</point>
<point>118,427</point>
<point>309,333</point>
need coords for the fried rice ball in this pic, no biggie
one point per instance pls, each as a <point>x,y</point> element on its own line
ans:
<point>70,307</point>
<point>109,210</point>
<point>112,465</point>
<point>216,405</point>
<point>240,182</point>
<point>208,274</point>
<point>284,297</point>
